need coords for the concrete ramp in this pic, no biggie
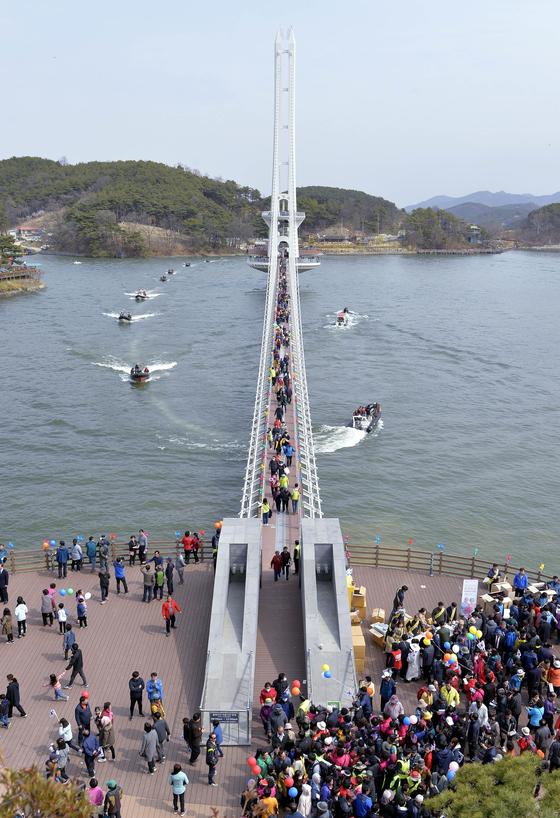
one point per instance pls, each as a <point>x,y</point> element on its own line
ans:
<point>326,613</point>
<point>232,640</point>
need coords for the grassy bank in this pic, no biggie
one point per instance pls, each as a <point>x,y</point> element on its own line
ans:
<point>23,285</point>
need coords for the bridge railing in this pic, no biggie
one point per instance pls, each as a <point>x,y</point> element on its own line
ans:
<point>42,559</point>
<point>255,471</point>
<point>378,555</point>
<point>310,496</point>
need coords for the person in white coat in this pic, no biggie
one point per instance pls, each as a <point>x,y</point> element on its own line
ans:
<point>413,670</point>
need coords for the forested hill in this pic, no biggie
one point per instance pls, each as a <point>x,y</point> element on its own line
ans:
<point>325,206</point>
<point>113,208</point>
<point>98,196</point>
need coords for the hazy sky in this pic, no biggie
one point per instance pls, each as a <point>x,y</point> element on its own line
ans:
<point>404,100</point>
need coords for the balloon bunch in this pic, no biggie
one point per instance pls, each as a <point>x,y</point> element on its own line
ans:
<point>218,525</point>
<point>252,762</point>
<point>296,685</point>
<point>326,671</point>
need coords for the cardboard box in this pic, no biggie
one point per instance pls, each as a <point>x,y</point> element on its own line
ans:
<point>378,634</point>
<point>359,665</point>
<point>377,615</point>
<point>358,601</point>
<point>361,612</point>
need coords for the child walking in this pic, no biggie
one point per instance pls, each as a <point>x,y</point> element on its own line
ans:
<point>54,682</point>
<point>82,609</point>
<point>21,615</point>
<point>68,639</point>
<point>7,626</point>
<point>62,616</point>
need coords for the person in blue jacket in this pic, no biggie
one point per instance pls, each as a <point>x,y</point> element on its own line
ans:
<point>520,582</point>
<point>119,575</point>
<point>217,730</point>
<point>62,556</point>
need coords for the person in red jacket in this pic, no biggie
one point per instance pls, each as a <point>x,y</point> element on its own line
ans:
<point>268,692</point>
<point>278,564</point>
<point>187,545</point>
<point>168,610</point>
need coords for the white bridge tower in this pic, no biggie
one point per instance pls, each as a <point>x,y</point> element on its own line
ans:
<point>283,218</point>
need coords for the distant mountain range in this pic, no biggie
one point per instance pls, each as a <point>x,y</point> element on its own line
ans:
<point>494,219</point>
<point>485,197</point>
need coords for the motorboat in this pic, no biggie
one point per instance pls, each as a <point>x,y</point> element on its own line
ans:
<point>187,264</point>
<point>207,260</point>
<point>342,318</point>
<point>171,271</point>
<point>163,278</point>
<point>124,318</point>
<point>141,295</point>
<point>139,373</point>
<point>366,418</point>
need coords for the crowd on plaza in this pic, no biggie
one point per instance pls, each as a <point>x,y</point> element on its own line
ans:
<point>93,737</point>
<point>487,686</point>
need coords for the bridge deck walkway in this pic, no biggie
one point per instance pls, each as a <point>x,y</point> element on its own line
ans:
<point>280,635</point>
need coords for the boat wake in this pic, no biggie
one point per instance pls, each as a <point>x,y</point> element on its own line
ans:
<point>134,317</point>
<point>354,318</point>
<point>149,294</point>
<point>332,438</point>
<point>124,371</point>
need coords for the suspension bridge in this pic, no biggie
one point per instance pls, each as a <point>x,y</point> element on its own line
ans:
<point>259,626</point>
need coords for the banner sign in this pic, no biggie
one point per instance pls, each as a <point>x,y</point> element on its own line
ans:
<point>469,596</point>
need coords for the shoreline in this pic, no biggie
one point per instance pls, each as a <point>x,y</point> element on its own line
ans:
<point>8,288</point>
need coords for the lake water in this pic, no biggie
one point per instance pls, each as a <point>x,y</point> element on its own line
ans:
<point>461,352</point>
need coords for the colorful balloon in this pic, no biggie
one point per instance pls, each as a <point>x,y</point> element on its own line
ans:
<point>289,782</point>
<point>325,667</point>
<point>327,674</point>
<point>251,761</point>
<point>295,691</point>
<point>472,629</point>
<point>479,634</point>
<point>292,792</point>
<point>45,545</point>
<point>70,591</point>
<point>85,694</point>
<point>88,595</point>
<point>414,719</point>
<point>453,766</point>
<point>447,645</point>
<point>256,770</point>
<point>216,525</point>
<point>455,648</point>
<point>406,721</point>
<point>296,683</point>
<point>62,592</point>
<point>471,636</point>
<point>52,542</point>
<point>451,775</point>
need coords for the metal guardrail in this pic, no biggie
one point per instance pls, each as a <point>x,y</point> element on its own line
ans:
<point>310,496</point>
<point>379,555</point>
<point>256,457</point>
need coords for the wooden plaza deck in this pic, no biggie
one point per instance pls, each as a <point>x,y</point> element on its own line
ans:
<point>126,635</point>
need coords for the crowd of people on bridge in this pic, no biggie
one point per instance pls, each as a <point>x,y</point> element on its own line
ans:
<point>278,438</point>
<point>487,687</point>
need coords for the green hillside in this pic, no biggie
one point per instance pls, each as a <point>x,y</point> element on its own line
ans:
<point>108,208</point>
<point>325,206</point>
<point>98,196</point>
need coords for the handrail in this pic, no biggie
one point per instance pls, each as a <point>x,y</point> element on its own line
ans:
<point>397,557</point>
<point>205,679</point>
<point>37,560</point>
